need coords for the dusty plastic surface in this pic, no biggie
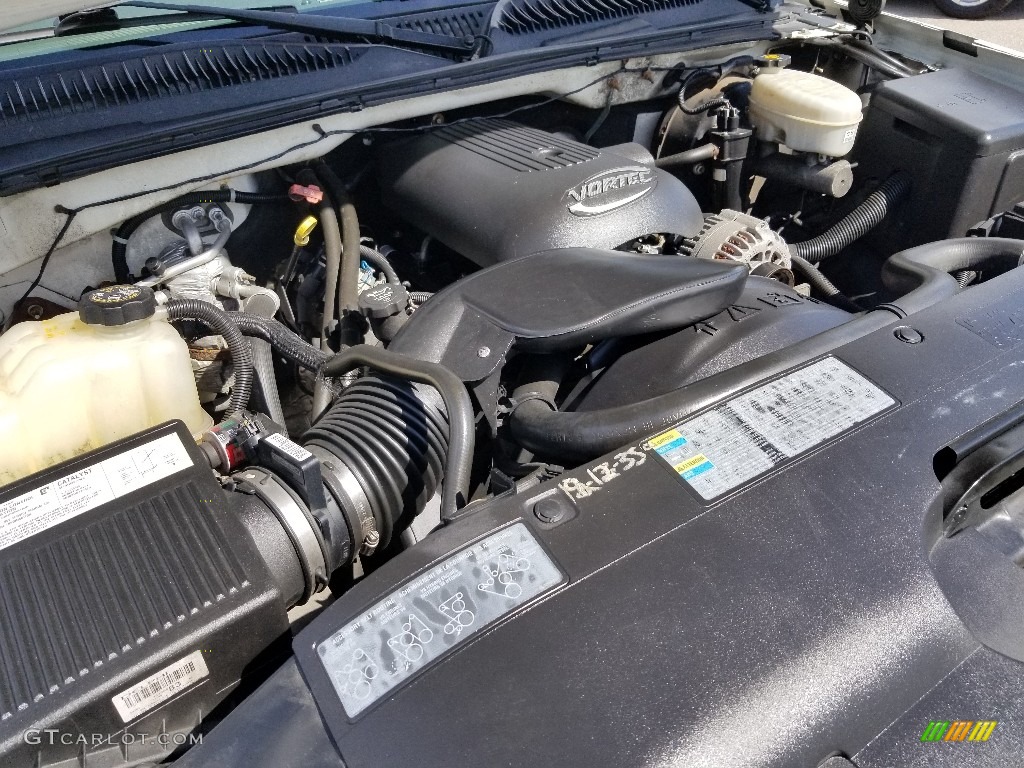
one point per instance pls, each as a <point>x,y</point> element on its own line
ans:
<point>806,112</point>
<point>67,388</point>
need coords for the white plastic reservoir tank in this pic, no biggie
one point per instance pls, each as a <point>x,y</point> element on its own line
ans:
<point>85,379</point>
<point>805,112</point>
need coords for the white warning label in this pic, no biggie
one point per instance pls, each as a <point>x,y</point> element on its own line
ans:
<point>294,450</point>
<point>161,686</point>
<point>415,625</point>
<point>753,433</point>
<point>88,488</point>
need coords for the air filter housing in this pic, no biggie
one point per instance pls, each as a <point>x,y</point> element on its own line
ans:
<point>134,601</point>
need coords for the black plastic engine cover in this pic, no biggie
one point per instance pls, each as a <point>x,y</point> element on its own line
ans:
<point>133,601</point>
<point>794,616</point>
<point>494,190</point>
<point>767,316</point>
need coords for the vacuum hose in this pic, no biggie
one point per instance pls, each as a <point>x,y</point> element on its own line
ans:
<point>922,271</point>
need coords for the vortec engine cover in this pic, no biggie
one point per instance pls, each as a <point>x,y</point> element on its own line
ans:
<point>493,190</point>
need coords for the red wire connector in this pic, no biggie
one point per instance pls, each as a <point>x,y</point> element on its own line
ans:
<point>310,194</point>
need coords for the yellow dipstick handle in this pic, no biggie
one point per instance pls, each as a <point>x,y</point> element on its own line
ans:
<point>304,230</point>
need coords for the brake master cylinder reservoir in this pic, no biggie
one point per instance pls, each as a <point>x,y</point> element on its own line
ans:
<point>87,378</point>
<point>805,112</point>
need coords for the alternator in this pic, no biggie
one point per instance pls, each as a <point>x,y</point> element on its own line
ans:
<point>736,236</point>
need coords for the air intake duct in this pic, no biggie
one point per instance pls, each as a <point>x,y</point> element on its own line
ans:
<point>381,447</point>
<point>365,469</point>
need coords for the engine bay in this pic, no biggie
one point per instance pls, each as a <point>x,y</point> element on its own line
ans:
<point>598,384</point>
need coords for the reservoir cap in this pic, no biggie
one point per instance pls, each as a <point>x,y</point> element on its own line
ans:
<point>117,305</point>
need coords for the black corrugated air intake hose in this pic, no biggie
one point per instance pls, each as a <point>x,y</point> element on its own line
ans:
<point>921,273</point>
<point>220,322</point>
<point>861,220</point>
<point>119,249</point>
<point>388,440</point>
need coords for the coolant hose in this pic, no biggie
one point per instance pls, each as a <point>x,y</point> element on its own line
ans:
<point>284,341</point>
<point>348,277</point>
<point>119,248</point>
<point>927,267</point>
<point>332,252</point>
<point>461,437</point>
<point>861,220</point>
<point>583,435</point>
<point>218,321</point>
<point>687,157</point>
<point>266,379</point>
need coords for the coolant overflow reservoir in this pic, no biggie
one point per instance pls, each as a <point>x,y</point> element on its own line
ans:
<point>87,378</point>
<point>807,113</point>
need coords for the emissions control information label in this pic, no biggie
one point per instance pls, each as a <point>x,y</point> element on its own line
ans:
<point>161,686</point>
<point>753,433</point>
<point>405,632</point>
<point>88,488</point>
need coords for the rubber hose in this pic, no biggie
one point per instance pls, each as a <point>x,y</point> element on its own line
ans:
<point>929,265</point>
<point>461,436</point>
<point>869,57</point>
<point>266,379</point>
<point>583,435</point>
<point>285,342</point>
<point>823,285</point>
<point>219,321</point>
<point>392,439</point>
<point>348,278</point>
<point>688,157</point>
<point>119,248</point>
<point>380,261</point>
<point>889,59</point>
<point>861,220</point>
<point>332,251</point>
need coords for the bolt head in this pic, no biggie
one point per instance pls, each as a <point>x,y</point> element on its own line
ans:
<point>908,335</point>
<point>550,510</point>
<point>483,352</point>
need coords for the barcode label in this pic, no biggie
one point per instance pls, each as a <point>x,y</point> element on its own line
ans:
<point>159,687</point>
<point>294,450</point>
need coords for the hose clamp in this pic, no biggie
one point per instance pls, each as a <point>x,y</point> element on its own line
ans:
<point>293,519</point>
<point>349,494</point>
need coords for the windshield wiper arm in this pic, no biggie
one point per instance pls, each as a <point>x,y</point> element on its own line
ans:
<point>321,25</point>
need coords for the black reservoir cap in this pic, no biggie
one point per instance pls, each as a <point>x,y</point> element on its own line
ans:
<point>383,300</point>
<point>117,305</point>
